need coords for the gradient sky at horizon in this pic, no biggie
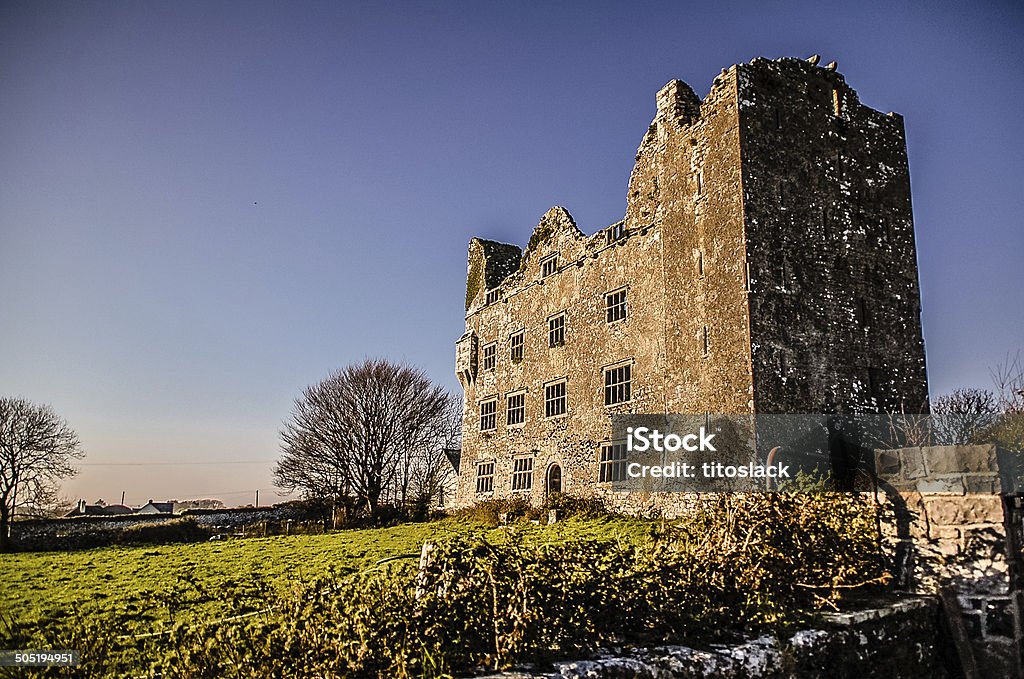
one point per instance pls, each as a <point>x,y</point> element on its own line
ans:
<point>206,206</point>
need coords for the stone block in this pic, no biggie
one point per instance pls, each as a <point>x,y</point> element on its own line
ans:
<point>944,511</point>
<point>985,484</point>
<point>959,459</point>
<point>982,509</point>
<point>944,548</point>
<point>949,484</point>
<point>887,463</point>
<point>942,460</point>
<point>944,533</point>
<point>913,501</point>
<point>987,543</point>
<point>913,463</point>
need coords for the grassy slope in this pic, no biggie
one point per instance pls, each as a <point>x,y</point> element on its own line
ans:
<point>147,585</point>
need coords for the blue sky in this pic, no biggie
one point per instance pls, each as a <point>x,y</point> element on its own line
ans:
<point>206,206</point>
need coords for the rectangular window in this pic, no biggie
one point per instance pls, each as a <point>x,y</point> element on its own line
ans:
<point>554,399</point>
<point>548,266</point>
<point>515,347</point>
<point>616,232</point>
<point>556,330</point>
<point>492,296</point>
<point>490,356</point>
<point>516,411</point>
<point>485,477</point>
<point>613,462</point>
<point>522,473</point>
<point>837,103</point>
<point>489,415</point>
<point>615,305</point>
<point>700,263</point>
<point>617,384</point>
<point>707,341</point>
<point>700,183</point>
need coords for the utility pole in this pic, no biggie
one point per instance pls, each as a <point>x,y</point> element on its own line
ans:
<point>257,497</point>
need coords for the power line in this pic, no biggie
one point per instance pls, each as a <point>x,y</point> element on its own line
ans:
<point>153,464</point>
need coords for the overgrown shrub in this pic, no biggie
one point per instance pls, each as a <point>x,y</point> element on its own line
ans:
<point>497,511</point>
<point>580,507</point>
<point>509,510</point>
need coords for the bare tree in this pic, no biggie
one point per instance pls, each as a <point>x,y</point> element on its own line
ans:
<point>358,434</point>
<point>961,417</point>
<point>1008,377</point>
<point>36,450</point>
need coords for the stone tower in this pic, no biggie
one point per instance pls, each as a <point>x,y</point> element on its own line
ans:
<point>766,264</point>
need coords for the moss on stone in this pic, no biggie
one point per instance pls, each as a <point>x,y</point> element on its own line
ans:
<point>476,269</point>
<point>544,231</point>
<point>540,235</point>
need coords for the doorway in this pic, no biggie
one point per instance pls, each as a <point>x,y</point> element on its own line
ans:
<point>554,480</point>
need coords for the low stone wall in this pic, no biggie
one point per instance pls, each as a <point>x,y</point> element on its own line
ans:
<point>953,527</point>
<point>78,532</point>
<point>896,638</point>
<point>236,518</point>
<point>93,531</point>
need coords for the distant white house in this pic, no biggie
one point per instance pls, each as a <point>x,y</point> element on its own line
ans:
<point>157,508</point>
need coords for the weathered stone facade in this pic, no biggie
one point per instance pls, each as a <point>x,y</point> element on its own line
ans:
<point>768,265</point>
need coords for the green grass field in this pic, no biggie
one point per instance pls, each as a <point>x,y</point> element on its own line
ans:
<point>148,586</point>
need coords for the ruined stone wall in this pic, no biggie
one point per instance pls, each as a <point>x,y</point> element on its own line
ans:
<point>92,531</point>
<point>952,527</point>
<point>587,269</point>
<point>834,301</point>
<point>768,256</point>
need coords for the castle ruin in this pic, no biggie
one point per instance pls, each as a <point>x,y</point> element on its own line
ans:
<point>766,264</point>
